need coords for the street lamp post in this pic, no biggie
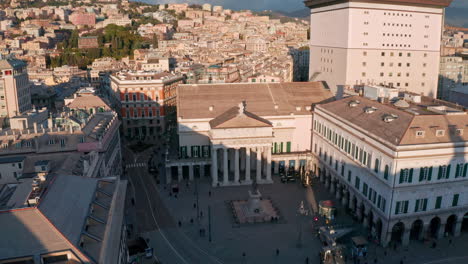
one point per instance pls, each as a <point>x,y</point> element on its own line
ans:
<point>209,223</point>
<point>196,197</point>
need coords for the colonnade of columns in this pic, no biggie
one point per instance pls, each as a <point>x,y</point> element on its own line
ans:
<point>235,165</point>
<point>191,172</point>
<point>365,214</point>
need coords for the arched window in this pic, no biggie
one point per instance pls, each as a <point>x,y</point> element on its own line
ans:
<point>386,172</point>
<point>376,166</point>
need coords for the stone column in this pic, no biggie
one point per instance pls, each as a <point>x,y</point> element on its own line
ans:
<point>350,203</point>
<point>296,165</point>
<point>338,191</point>
<point>365,220</point>
<point>259,164</point>
<point>358,211</point>
<point>386,237</point>
<point>268,165</point>
<point>190,172</point>
<point>247,165</point>
<point>214,167</point>
<point>265,161</point>
<point>179,173</point>
<point>440,233</point>
<point>276,167</point>
<point>242,159</point>
<point>423,232</point>
<point>332,186</point>
<point>406,237</point>
<point>236,165</point>
<point>225,166</point>
<point>231,153</point>
<point>202,171</point>
<point>344,199</point>
<point>168,175</point>
<point>457,229</point>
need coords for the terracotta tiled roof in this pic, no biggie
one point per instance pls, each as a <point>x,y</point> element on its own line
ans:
<point>89,101</point>
<point>407,121</point>
<point>265,99</point>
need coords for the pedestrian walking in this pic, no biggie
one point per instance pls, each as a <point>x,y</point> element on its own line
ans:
<point>307,260</point>
<point>209,193</point>
<point>180,223</point>
<point>277,252</point>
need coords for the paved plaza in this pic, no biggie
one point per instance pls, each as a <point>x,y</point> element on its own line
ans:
<point>158,212</point>
<point>260,241</point>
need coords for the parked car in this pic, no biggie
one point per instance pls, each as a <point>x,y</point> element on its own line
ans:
<point>288,178</point>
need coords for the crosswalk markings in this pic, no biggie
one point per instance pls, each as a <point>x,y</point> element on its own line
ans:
<point>136,165</point>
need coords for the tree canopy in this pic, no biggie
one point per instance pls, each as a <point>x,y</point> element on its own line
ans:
<point>114,41</point>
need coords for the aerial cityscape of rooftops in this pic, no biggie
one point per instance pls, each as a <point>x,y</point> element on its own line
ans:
<point>188,132</point>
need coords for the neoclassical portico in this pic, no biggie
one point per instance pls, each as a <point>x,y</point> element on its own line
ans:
<point>241,148</point>
<point>237,165</point>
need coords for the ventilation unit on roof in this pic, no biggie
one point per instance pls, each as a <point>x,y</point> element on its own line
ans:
<point>389,118</point>
<point>370,110</point>
<point>353,103</point>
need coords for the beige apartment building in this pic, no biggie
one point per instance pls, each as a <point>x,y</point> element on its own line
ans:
<point>393,42</point>
<point>15,97</point>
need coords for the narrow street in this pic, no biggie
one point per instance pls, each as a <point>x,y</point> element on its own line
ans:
<point>153,220</point>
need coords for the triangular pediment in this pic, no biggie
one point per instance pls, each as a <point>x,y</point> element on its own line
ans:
<point>237,117</point>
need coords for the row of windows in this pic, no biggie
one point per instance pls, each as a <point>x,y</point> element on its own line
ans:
<point>392,54</point>
<point>142,97</point>
<point>142,114</point>
<point>396,45</point>
<point>420,205</point>
<point>396,35</point>
<point>425,173</point>
<point>262,80</point>
<point>349,148</point>
<point>277,147</point>
<point>390,74</point>
<point>195,152</point>
<point>373,197</point>
<point>397,25</point>
<point>324,50</point>
<point>397,14</point>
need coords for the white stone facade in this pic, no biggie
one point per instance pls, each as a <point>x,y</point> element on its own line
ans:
<point>356,43</point>
<point>399,192</point>
<point>267,149</point>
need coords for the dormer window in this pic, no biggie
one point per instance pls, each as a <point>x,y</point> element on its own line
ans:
<point>353,103</point>
<point>370,110</point>
<point>440,133</point>
<point>390,118</point>
<point>419,134</point>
